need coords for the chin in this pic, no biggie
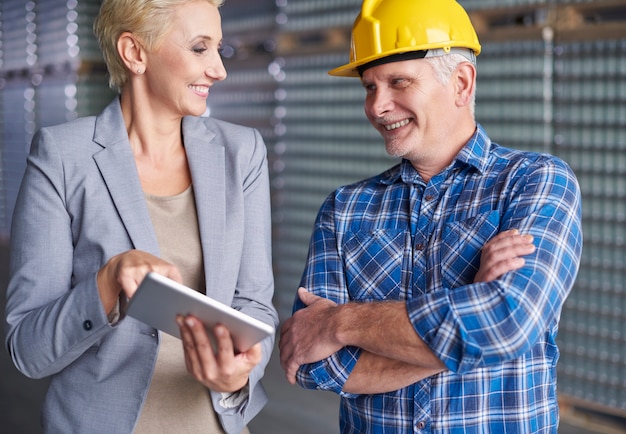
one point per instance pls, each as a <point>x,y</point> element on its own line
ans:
<point>394,148</point>
<point>197,111</point>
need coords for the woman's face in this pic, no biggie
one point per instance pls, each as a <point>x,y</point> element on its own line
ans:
<point>187,63</point>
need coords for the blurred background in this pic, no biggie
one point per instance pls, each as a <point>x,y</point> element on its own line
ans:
<point>551,77</point>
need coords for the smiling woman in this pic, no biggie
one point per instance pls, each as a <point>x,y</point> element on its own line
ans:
<point>141,188</point>
<point>176,75</point>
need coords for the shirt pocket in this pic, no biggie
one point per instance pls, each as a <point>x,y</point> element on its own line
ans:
<point>375,264</point>
<point>461,246</point>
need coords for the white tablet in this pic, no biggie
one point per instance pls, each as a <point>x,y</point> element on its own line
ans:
<point>159,300</point>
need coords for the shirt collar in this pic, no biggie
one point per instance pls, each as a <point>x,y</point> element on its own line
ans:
<point>474,154</point>
<point>476,151</point>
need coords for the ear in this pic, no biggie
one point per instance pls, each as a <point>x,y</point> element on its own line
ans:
<point>131,52</point>
<point>465,83</point>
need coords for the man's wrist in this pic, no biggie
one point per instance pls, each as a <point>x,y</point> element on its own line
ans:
<point>342,323</point>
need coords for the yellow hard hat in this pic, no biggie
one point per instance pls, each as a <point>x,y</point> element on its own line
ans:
<point>389,27</point>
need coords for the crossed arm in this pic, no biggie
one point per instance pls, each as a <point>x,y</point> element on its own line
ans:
<point>388,361</point>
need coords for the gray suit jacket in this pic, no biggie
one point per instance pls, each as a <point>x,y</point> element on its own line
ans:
<point>81,203</point>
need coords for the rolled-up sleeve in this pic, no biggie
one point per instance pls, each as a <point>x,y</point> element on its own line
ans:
<point>482,324</point>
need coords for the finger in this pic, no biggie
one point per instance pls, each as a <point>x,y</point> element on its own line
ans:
<point>507,238</point>
<point>289,364</point>
<point>200,349</point>
<point>504,235</point>
<point>129,280</point>
<point>507,233</point>
<point>291,373</point>
<point>174,274</point>
<point>305,296</point>
<point>308,298</point>
<point>188,345</point>
<point>503,267</point>
<point>522,245</point>
<point>255,354</point>
<point>131,267</point>
<point>283,350</point>
<point>286,352</point>
<point>285,327</point>
<point>508,247</point>
<point>225,349</point>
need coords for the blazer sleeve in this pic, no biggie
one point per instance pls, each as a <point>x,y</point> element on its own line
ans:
<point>50,320</point>
<point>254,283</point>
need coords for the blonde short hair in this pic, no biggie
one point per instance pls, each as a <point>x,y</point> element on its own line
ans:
<point>148,20</point>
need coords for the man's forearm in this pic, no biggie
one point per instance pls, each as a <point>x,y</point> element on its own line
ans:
<point>377,374</point>
<point>383,328</point>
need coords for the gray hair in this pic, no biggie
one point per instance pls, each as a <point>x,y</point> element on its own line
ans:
<point>445,65</point>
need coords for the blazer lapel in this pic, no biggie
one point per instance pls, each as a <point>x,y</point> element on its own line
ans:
<point>117,166</point>
<point>205,156</point>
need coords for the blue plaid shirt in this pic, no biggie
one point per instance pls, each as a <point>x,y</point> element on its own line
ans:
<point>395,237</point>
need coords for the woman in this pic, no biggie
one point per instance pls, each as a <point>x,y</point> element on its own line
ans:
<point>147,185</point>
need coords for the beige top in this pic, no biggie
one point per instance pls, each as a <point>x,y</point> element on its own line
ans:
<point>176,402</point>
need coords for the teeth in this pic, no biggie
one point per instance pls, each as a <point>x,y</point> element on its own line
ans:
<point>201,89</point>
<point>396,125</point>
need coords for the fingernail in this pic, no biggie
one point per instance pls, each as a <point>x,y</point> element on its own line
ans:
<point>219,331</point>
<point>190,322</point>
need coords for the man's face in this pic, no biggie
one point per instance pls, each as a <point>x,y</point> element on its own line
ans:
<point>410,108</point>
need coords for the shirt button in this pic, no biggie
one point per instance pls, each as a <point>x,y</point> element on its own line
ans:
<point>419,246</point>
<point>429,197</point>
<point>87,325</point>
<point>421,425</point>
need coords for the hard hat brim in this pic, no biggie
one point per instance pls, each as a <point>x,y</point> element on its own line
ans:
<point>352,69</point>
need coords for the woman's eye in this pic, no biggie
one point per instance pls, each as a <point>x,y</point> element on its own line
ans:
<point>199,50</point>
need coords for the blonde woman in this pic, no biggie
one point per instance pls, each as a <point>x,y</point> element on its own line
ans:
<point>147,185</point>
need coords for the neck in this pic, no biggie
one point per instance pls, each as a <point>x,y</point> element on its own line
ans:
<point>149,134</point>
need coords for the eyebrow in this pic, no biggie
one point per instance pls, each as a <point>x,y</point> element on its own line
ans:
<point>204,38</point>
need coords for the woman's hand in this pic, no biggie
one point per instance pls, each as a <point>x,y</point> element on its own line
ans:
<point>503,253</point>
<point>124,272</point>
<point>216,365</point>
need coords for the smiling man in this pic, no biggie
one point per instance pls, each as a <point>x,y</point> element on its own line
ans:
<point>434,290</point>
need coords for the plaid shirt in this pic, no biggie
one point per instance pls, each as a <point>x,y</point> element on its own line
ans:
<point>394,237</point>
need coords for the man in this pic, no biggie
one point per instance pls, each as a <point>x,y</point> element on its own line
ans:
<point>400,317</point>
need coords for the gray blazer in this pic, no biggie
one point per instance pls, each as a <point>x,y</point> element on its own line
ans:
<point>81,203</point>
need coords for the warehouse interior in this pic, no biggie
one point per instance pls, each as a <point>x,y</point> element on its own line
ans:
<point>551,78</point>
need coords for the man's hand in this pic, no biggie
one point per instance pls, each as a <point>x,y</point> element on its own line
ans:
<point>503,253</point>
<point>308,336</point>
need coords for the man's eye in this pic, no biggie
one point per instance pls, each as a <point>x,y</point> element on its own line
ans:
<point>369,88</point>
<point>398,82</point>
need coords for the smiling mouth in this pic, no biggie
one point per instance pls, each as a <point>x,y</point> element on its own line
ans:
<point>199,89</point>
<point>396,125</point>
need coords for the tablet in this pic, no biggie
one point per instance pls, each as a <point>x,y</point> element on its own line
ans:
<point>158,301</point>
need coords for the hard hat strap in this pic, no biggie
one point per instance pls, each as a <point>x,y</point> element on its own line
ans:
<point>399,57</point>
<point>420,54</point>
